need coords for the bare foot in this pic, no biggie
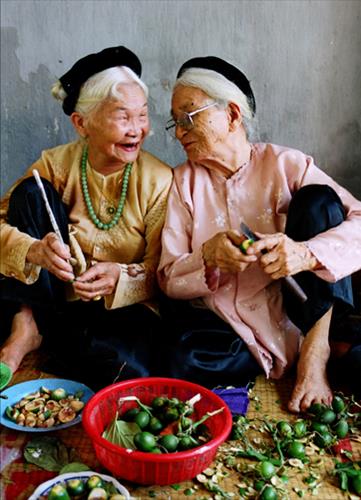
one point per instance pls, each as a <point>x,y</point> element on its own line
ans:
<point>311,383</point>
<point>23,339</point>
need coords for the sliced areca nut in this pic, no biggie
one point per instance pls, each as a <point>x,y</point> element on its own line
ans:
<point>16,414</point>
<point>66,415</point>
<point>296,462</point>
<point>202,478</point>
<point>50,422</point>
<point>98,494</point>
<point>64,402</point>
<point>76,405</point>
<point>39,422</point>
<point>35,405</point>
<point>9,411</point>
<point>20,420</point>
<point>32,396</point>
<point>53,406</point>
<point>45,389</point>
<point>30,420</point>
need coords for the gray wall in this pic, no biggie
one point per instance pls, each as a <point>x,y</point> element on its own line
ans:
<point>303,58</point>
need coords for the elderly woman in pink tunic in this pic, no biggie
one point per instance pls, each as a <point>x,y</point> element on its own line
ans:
<point>234,318</point>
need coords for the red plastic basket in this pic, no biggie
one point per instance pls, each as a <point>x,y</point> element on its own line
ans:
<point>150,468</point>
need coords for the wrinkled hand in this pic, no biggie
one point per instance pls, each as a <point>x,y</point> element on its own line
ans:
<point>223,251</point>
<point>100,280</point>
<point>284,256</point>
<point>51,254</point>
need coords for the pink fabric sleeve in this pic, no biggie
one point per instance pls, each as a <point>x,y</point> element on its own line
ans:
<point>339,248</point>
<point>182,273</point>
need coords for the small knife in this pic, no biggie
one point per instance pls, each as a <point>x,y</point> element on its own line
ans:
<point>289,281</point>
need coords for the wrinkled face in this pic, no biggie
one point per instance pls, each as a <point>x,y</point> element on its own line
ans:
<point>211,126</point>
<point>117,129</point>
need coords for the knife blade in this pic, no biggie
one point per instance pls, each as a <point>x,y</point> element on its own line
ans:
<point>290,282</point>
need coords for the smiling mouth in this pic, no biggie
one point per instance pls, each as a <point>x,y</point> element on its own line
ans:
<point>129,147</point>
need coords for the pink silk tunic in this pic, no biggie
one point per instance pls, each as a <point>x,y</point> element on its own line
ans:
<point>202,203</point>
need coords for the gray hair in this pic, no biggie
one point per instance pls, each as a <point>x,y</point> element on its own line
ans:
<point>220,89</point>
<point>100,87</point>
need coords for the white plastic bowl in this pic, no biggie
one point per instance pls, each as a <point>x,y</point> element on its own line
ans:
<point>44,488</point>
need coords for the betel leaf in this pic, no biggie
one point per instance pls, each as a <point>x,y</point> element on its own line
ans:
<point>51,454</point>
<point>74,467</point>
<point>63,453</point>
<point>121,433</point>
<point>46,452</point>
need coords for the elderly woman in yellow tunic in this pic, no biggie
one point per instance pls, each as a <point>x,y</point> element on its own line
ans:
<point>108,198</point>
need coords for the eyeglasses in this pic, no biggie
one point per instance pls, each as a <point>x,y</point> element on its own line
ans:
<point>185,119</point>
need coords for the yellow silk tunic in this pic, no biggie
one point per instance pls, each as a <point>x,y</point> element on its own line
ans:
<point>134,240</point>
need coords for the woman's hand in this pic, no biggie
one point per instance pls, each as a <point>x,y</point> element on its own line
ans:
<point>223,251</point>
<point>49,253</point>
<point>98,281</point>
<point>284,256</point>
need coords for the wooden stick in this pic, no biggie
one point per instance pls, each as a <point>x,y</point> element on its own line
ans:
<point>40,184</point>
<point>48,207</point>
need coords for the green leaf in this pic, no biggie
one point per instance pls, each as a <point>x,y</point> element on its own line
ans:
<point>73,455</point>
<point>44,452</point>
<point>343,481</point>
<point>121,433</point>
<point>74,467</point>
<point>51,454</point>
<point>63,455</point>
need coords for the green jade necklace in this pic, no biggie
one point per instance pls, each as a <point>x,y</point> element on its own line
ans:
<point>84,182</point>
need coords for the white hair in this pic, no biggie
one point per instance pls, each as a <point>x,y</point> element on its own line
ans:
<point>219,88</point>
<point>100,87</point>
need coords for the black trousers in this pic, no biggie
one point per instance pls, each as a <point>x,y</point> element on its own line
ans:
<point>205,349</point>
<point>86,341</point>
